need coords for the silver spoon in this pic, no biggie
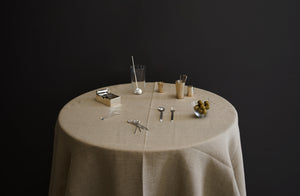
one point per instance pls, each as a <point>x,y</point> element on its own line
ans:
<point>137,91</point>
<point>161,109</point>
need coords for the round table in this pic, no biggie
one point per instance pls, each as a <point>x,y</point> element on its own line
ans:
<point>186,156</point>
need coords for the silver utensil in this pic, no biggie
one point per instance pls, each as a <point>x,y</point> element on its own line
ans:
<point>161,109</point>
<point>172,113</point>
<point>142,127</point>
<point>137,125</point>
<point>137,91</point>
<point>183,78</point>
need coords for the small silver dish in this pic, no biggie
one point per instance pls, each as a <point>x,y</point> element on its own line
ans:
<point>198,115</point>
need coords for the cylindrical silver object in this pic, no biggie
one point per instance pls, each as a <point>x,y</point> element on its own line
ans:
<point>190,91</point>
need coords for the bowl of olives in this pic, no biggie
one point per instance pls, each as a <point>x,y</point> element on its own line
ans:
<point>201,108</point>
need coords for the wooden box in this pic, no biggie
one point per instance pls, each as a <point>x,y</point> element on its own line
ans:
<point>108,98</point>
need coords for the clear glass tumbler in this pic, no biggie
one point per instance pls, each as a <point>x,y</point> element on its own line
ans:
<point>140,71</point>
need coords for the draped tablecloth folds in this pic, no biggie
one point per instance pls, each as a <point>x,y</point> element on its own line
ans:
<point>189,156</point>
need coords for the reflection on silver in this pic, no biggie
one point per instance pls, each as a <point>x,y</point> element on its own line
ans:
<point>105,93</point>
<point>198,115</point>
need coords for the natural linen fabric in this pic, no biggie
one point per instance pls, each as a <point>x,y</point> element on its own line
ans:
<point>188,156</point>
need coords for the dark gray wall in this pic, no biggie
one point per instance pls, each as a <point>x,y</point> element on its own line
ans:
<point>245,51</point>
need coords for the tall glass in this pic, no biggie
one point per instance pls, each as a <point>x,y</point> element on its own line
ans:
<point>179,89</point>
<point>140,71</point>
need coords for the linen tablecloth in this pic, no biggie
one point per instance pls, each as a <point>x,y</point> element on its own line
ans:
<point>188,156</point>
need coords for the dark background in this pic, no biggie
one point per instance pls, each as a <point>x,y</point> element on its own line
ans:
<point>245,51</point>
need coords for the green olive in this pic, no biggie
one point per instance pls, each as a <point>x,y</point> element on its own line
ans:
<point>202,107</point>
<point>200,102</point>
<point>206,103</point>
<point>196,107</point>
<point>204,111</point>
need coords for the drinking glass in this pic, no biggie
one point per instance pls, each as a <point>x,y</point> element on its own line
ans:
<point>179,89</point>
<point>140,71</point>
